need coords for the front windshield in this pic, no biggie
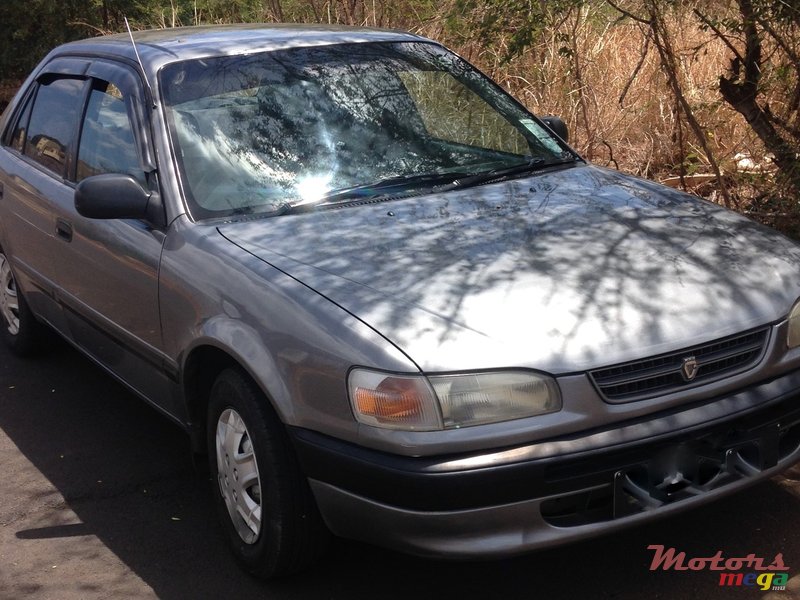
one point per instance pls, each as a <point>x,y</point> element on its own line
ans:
<point>258,133</point>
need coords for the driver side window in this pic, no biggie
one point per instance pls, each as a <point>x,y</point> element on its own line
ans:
<point>107,144</point>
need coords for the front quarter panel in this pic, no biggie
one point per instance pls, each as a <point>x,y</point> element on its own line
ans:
<point>295,343</point>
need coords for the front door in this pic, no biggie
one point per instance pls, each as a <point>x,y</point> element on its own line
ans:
<point>108,268</point>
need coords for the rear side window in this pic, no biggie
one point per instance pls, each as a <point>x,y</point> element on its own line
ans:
<point>107,144</point>
<point>53,123</point>
<point>18,137</point>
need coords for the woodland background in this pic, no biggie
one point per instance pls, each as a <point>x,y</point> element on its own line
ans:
<point>703,94</point>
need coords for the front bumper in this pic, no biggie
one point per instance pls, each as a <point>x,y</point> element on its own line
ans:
<point>508,501</point>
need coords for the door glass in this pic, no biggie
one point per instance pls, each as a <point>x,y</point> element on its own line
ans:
<point>18,137</point>
<point>107,144</point>
<point>53,123</point>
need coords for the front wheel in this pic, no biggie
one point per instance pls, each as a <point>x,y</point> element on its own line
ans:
<point>20,330</point>
<point>263,499</point>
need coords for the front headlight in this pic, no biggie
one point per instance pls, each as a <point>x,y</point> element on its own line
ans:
<point>793,336</point>
<point>414,402</point>
<point>478,398</point>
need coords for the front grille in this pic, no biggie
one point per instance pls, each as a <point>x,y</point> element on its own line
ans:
<point>665,373</point>
<point>612,484</point>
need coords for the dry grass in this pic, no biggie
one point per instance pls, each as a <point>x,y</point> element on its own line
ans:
<point>614,97</point>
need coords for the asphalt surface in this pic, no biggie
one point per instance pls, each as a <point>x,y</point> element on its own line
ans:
<point>98,499</point>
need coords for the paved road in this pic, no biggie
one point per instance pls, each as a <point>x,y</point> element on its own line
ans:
<point>98,499</point>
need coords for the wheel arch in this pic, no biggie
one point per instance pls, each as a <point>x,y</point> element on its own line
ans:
<point>203,364</point>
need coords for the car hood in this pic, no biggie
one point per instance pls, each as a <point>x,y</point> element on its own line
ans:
<point>565,270</point>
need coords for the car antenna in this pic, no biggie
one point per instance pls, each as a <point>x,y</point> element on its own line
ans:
<point>139,59</point>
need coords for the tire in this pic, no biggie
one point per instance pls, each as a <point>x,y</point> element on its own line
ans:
<point>283,533</point>
<point>21,332</point>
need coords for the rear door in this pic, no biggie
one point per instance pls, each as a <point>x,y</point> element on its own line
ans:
<point>37,154</point>
<point>101,274</point>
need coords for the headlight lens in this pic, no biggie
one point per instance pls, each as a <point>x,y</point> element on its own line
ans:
<point>414,402</point>
<point>793,337</point>
<point>478,398</point>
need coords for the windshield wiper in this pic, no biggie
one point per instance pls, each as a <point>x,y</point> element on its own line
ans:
<point>380,187</point>
<point>439,181</point>
<point>534,164</point>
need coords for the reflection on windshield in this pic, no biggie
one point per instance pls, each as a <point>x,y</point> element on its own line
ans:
<point>254,133</point>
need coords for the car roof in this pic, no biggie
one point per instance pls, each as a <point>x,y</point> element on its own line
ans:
<point>160,46</point>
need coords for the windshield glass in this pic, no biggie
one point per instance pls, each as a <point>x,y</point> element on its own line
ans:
<point>259,133</point>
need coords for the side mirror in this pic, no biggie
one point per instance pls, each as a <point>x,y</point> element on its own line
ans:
<point>557,126</point>
<point>116,196</point>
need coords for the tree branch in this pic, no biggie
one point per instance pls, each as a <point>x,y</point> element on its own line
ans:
<point>637,68</point>
<point>718,33</point>
<point>666,52</point>
<point>781,43</point>
<point>627,13</point>
<point>752,53</point>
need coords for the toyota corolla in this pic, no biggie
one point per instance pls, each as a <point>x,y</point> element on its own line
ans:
<point>386,300</point>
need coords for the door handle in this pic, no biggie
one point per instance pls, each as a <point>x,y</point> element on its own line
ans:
<point>64,230</point>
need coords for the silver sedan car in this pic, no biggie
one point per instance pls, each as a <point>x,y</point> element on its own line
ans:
<point>387,301</point>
